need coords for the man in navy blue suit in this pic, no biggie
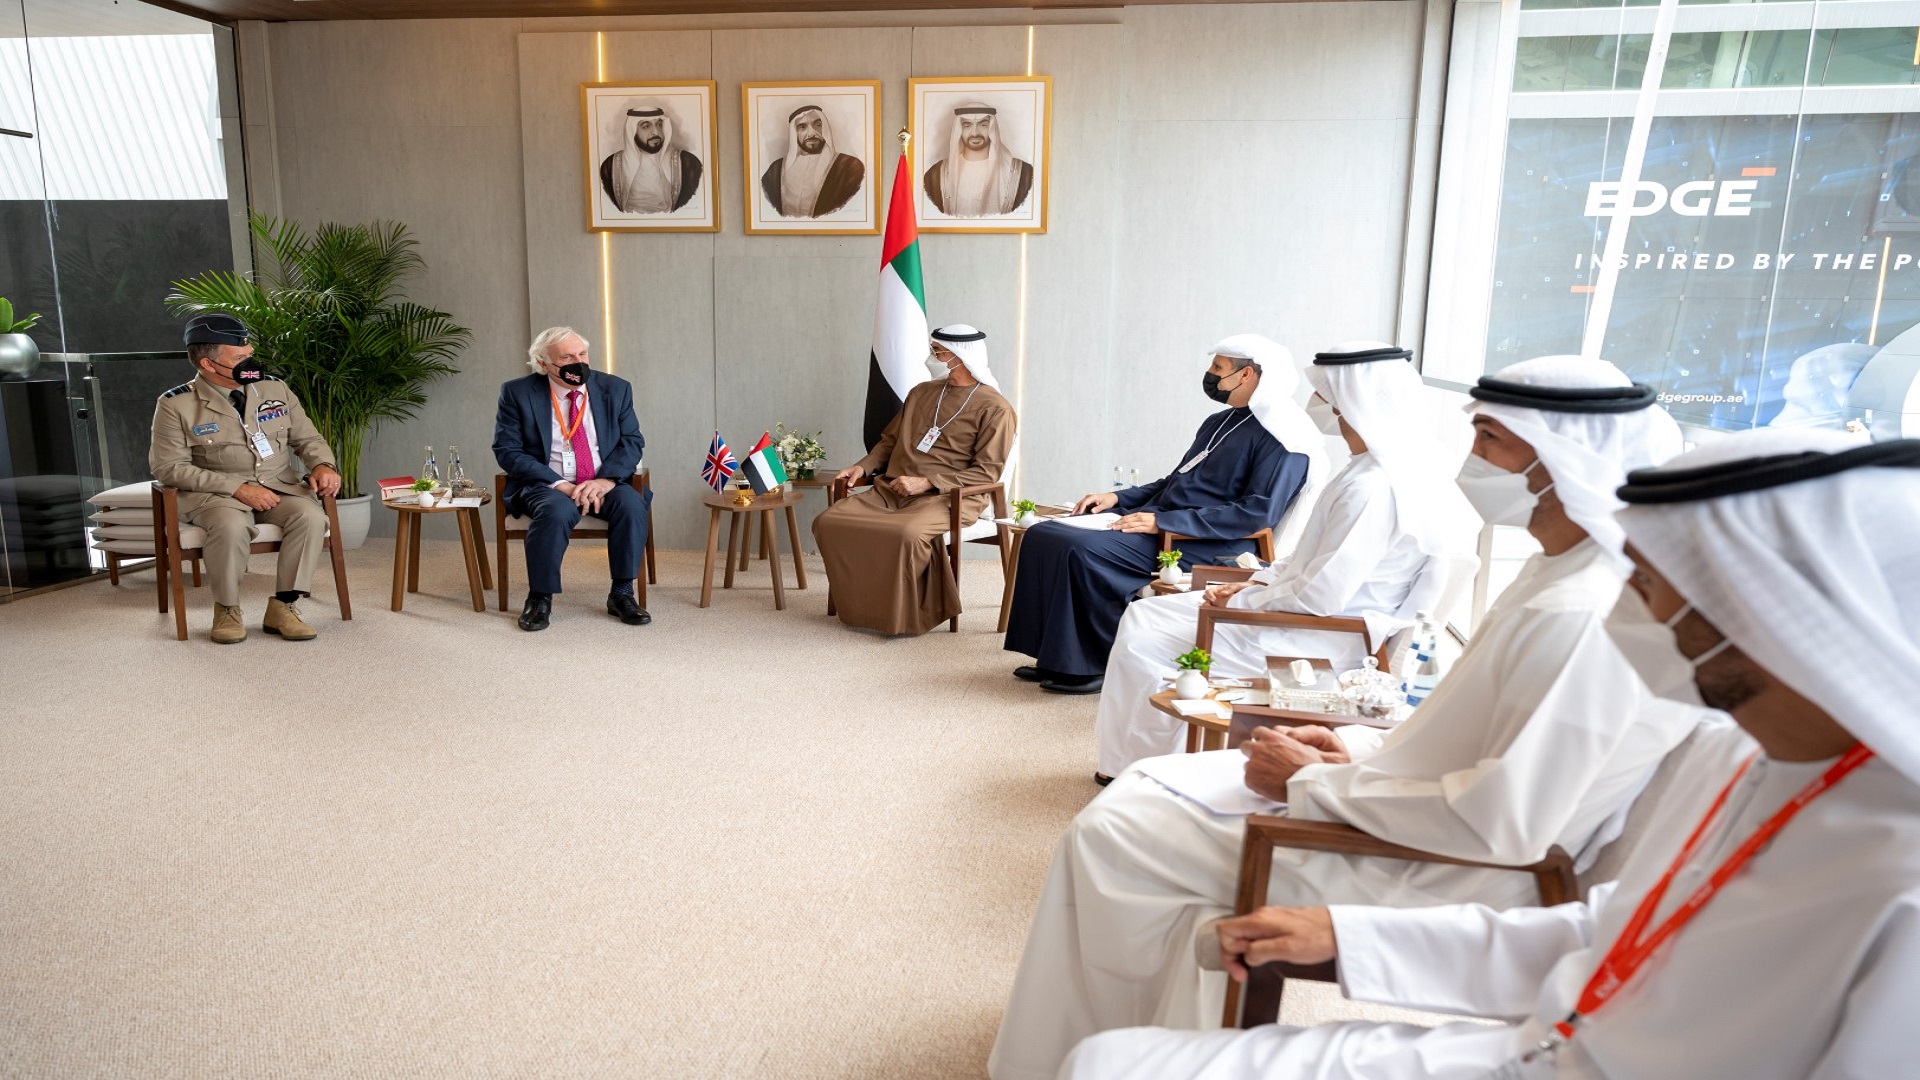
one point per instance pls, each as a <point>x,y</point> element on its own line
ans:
<point>569,443</point>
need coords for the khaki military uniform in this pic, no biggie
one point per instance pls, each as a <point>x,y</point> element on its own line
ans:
<point>202,447</point>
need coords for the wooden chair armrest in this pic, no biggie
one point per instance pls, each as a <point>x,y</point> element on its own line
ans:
<point>976,489</point>
<point>1553,876</point>
<point>1263,541</point>
<point>840,489</point>
<point>1212,616</point>
<point>1210,575</point>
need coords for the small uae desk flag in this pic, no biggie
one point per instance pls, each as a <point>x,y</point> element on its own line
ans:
<point>898,361</point>
<point>762,467</point>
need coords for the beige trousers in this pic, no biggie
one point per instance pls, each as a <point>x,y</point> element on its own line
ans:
<point>229,524</point>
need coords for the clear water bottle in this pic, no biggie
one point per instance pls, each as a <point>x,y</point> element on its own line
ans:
<point>430,470</point>
<point>1119,477</point>
<point>1426,661</point>
<point>457,479</point>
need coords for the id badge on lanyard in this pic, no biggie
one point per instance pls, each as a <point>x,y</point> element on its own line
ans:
<point>926,441</point>
<point>1195,462</point>
<point>262,449</point>
<point>567,462</point>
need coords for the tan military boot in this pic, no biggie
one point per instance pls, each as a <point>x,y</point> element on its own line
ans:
<point>228,627</point>
<point>284,619</point>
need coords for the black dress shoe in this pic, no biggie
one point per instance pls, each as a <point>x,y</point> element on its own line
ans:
<point>1067,684</point>
<point>534,616</point>
<point>1031,673</point>
<point>628,610</point>
<point>1102,779</point>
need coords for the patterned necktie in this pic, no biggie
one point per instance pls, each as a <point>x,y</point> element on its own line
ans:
<point>582,454</point>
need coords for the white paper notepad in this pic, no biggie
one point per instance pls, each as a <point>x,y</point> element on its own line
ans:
<point>1084,521</point>
<point>1215,779</point>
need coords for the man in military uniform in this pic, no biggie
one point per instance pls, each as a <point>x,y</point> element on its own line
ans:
<point>237,444</point>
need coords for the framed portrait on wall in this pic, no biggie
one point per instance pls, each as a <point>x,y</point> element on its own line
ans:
<point>652,149</point>
<point>811,154</point>
<point>980,153</point>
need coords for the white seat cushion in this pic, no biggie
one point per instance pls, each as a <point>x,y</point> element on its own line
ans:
<point>979,530</point>
<point>117,539</point>
<point>589,526</point>
<point>125,515</point>
<point>137,494</point>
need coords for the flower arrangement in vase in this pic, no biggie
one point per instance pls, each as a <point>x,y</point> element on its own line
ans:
<point>1025,513</point>
<point>424,491</point>
<point>800,453</point>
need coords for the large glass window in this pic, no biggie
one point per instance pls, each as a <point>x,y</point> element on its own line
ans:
<point>1766,220</point>
<point>114,171</point>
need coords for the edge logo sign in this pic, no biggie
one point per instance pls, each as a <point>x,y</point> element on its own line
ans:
<point>1644,198</point>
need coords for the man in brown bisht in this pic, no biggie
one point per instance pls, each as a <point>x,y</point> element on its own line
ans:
<point>879,545</point>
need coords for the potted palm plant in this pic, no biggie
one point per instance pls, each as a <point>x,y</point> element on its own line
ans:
<point>18,353</point>
<point>328,315</point>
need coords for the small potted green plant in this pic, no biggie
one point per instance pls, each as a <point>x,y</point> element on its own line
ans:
<point>1191,683</point>
<point>1025,513</point>
<point>1170,566</point>
<point>18,353</point>
<point>424,488</point>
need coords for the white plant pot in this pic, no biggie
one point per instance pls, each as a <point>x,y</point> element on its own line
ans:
<point>1189,685</point>
<point>355,515</point>
<point>425,499</point>
<point>1027,520</point>
<point>1170,574</point>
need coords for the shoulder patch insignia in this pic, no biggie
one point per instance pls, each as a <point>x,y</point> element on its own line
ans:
<point>178,390</point>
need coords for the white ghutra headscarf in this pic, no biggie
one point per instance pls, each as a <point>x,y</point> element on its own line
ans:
<point>1003,183</point>
<point>970,345</point>
<point>1380,395</point>
<point>802,174</point>
<point>1559,405</point>
<point>1273,405</point>
<point>1799,544</point>
<point>646,183</point>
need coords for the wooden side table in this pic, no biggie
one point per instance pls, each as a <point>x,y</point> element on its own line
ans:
<point>406,549</point>
<point>1213,733</point>
<point>721,502</point>
<point>821,479</point>
<point>1018,533</point>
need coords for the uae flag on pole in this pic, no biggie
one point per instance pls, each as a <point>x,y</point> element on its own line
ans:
<point>762,467</point>
<point>898,361</point>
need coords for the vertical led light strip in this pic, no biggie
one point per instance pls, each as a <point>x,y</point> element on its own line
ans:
<point>1020,325</point>
<point>606,247</point>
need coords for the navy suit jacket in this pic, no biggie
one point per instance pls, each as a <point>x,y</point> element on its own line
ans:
<point>523,431</point>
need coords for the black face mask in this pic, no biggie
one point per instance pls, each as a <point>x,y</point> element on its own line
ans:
<point>1211,384</point>
<point>574,374</point>
<point>246,372</point>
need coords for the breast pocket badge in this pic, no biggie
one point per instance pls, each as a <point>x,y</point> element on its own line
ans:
<point>271,409</point>
<point>205,429</point>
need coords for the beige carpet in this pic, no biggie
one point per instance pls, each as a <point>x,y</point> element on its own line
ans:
<point>735,843</point>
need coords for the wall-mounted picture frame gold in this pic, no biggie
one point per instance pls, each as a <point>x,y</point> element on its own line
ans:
<point>982,150</point>
<point>811,157</point>
<point>653,152</point>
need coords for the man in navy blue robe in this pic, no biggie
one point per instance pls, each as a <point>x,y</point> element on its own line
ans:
<point>1237,478</point>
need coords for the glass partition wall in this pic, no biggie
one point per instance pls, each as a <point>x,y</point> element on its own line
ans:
<point>1722,198</point>
<point>113,183</point>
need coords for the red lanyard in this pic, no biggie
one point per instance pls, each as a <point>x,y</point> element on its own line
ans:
<point>1632,948</point>
<point>565,431</point>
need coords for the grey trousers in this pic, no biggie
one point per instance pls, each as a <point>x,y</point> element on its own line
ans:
<point>303,529</point>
